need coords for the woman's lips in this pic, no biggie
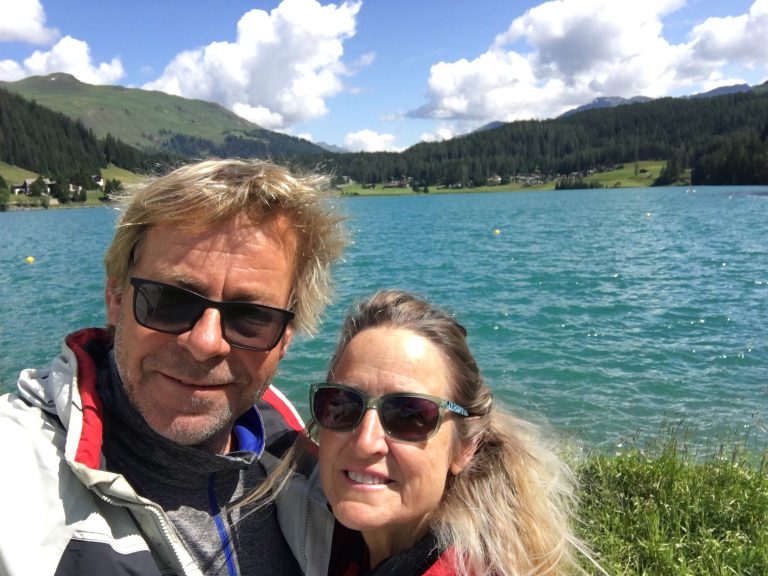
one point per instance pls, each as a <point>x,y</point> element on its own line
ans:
<point>367,479</point>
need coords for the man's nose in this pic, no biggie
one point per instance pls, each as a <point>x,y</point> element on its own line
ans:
<point>206,338</point>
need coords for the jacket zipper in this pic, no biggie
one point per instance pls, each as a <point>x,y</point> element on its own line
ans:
<point>168,532</point>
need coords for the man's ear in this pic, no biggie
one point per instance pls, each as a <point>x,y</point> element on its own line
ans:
<point>461,458</point>
<point>285,341</point>
<point>113,296</point>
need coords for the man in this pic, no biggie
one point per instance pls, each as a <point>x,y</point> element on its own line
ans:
<point>123,456</point>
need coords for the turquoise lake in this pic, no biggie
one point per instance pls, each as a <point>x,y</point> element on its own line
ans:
<point>606,312</point>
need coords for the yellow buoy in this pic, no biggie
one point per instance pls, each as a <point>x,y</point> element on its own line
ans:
<point>29,259</point>
<point>497,231</point>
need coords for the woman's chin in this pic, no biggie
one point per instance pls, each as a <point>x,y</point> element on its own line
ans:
<point>361,516</point>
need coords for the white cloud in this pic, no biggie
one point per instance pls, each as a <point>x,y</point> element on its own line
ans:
<point>365,60</point>
<point>280,70</point>
<point>446,131</point>
<point>24,21</point>
<point>72,56</point>
<point>564,53</point>
<point>10,71</point>
<point>743,38</point>
<point>369,141</point>
<point>573,37</point>
<point>260,115</point>
<point>67,55</point>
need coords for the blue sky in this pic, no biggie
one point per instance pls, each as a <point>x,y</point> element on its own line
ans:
<point>384,75</point>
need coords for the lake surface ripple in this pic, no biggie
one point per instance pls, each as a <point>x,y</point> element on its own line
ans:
<point>607,312</point>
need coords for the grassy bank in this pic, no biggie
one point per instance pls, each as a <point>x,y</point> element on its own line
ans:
<point>15,175</point>
<point>664,510</point>
<point>623,177</point>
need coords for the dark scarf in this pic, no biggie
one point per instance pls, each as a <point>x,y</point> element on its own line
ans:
<point>349,556</point>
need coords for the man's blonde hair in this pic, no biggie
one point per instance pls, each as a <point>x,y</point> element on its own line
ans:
<point>201,195</point>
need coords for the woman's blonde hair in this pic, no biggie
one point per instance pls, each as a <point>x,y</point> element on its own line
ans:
<point>204,194</point>
<point>510,509</point>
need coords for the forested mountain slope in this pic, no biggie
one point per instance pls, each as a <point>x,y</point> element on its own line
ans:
<point>722,138</point>
<point>156,121</point>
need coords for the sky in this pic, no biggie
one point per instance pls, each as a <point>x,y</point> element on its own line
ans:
<point>387,74</point>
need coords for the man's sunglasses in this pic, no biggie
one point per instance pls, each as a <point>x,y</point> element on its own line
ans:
<point>175,310</point>
<point>405,416</point>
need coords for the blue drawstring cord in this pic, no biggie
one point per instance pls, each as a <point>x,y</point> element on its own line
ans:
<point>226,543</point>
<point>249,430</point>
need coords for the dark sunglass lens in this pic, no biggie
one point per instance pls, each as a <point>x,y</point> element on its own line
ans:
<point>408,418</point>
<point>166,308</point>
<point>336,408</point>
<point>253,326</point>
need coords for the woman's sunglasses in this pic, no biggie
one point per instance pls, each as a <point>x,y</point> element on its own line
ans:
<point>404,416</point>
<point>174,310</point>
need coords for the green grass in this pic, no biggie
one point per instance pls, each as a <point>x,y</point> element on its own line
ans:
<point>14,174</point>
<point>358,190</point>
<point>664,510</point>
<point>623,177</point>
<point>112,172</point>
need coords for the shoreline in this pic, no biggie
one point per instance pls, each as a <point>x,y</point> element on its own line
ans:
<point>15,208</point>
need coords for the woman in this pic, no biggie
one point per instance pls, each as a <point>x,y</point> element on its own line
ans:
<point>423,471</point>
<point>418,459</point>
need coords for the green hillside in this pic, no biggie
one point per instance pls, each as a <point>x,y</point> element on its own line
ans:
<point>702,141</point>
<point>112,172</point>
<point>42,140</point>
<point>153,120</point>
<point>14,174</point>
<point>716,140</point>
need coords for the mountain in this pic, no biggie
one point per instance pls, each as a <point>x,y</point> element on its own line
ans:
<point>331,147</point>
<point>760,89</point>
<point>611,101</point>
<point>35,138</point>
<point>606,102</point>
<point>722,139</point>
<point>723,90</point>
<point>155,120</point>
<point>489,126</point>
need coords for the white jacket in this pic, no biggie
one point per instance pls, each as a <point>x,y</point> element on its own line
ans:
<point>60,499</point>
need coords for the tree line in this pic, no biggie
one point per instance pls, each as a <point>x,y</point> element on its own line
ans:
<point>257,143</point>
<point>723,139</point>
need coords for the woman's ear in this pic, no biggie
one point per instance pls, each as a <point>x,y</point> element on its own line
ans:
<point>462,457</point>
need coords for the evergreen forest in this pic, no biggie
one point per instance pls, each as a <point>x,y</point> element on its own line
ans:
<point>717,140</point>
<point>723,140</point>
<point>51,144</point>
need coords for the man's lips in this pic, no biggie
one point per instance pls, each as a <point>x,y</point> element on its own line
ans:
<point>194,383</point>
